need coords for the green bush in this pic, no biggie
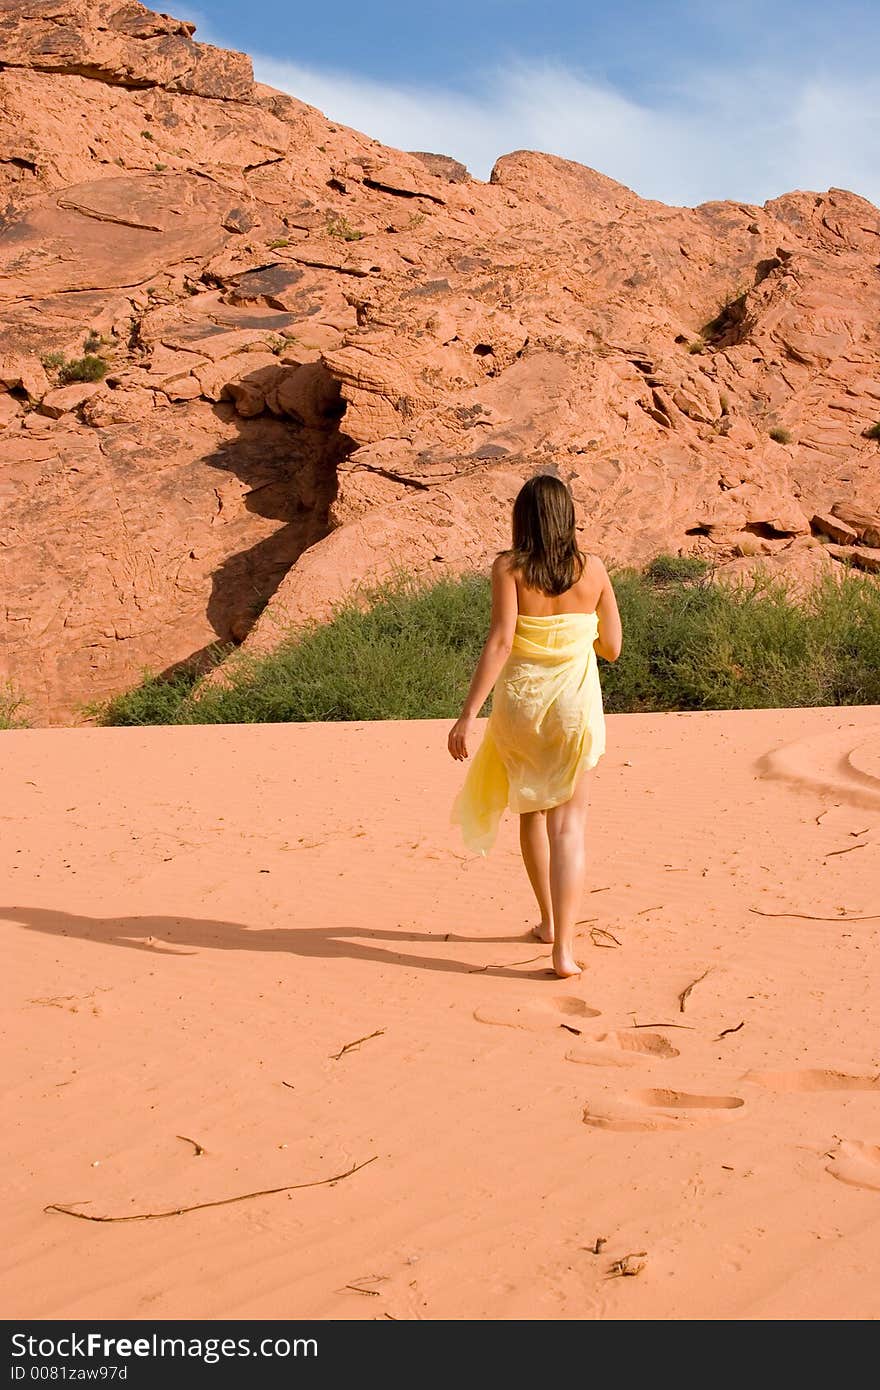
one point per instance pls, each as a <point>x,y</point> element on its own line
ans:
<point>666,568</point>
<point>155,701</point>
<point>873,431</point>
<point>781,436</point>
<point>87,368</point>
<point>339,226</point>
<point>11,706</point>
<point>407,651</point>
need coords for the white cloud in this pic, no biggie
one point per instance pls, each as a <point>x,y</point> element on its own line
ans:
<point>746,135</point>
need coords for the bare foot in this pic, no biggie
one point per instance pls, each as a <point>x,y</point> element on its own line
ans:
<point>543,932</point>
<point>565,965</point>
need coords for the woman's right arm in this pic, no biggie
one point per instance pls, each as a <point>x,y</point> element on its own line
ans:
<point>610,640</point>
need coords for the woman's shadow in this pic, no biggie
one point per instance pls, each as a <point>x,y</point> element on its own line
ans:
<point>161,935</point>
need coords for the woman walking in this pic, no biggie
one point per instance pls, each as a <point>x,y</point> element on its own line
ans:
<point>553,612</point>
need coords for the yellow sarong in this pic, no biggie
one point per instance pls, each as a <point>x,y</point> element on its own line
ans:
<point>547,726</point>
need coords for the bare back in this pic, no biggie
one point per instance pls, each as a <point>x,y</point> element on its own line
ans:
<point>582,597</point>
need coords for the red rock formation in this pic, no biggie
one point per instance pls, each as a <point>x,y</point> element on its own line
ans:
<point>322,358</point>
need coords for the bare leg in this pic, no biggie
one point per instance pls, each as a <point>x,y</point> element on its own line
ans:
<point>566,827</point>
<point>535,848</point>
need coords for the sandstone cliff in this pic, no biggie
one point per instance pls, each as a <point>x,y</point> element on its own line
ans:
<point>318,357</point>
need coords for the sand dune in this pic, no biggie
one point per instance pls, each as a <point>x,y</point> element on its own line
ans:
<point>196,923</point>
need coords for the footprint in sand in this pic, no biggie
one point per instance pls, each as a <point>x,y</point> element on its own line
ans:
<point>812,1081</point>
<point>662,1109</point>
<point>856,1164</point>
<point>620,1049</point>
<point>537,1016</point>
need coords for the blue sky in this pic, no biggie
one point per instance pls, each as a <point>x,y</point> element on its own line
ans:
<point>684,100</point>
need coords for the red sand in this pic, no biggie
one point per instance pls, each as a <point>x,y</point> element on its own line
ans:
<point>199,919</point>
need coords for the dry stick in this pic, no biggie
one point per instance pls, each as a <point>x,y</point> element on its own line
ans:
<point>596,932</point>
<point>505,964</point>
<point>569,1029</point>
<point>581,921</point>
<point>289,1084</point>
<point>827,809</point>
<point>730,1030</point>
<point>848,850</point>
<point>623,1266</point>
<point>198,1147</point>
<point>811,917</point>
<point>201,1206</point>
<point>357,1042</point>
<point>685,993</point>
<point>643,910</point>
<point>371,1293</point>
<point>689,1026</point>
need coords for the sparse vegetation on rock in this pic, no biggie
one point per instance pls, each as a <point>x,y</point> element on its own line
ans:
<point>86,368</point>
<point>12,708</point>
<point>340,227</point>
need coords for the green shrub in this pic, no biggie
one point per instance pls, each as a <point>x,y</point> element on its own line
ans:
<point>666,568</point>
<point>87,368</point>
<point>156,700</point>
<point>781,436</point>
<point>698,345</point>
<point>12,705</point>
<point>407,651</point>
<point>53,360</point>
<point>873,431</point>
<point>92,341</point>
<point>339,226</point>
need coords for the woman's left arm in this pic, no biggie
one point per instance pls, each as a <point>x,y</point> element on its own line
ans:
<point>496,650</point>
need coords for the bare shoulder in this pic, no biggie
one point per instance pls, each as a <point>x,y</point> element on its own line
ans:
<point>596,567</point>
<point>503,563</point>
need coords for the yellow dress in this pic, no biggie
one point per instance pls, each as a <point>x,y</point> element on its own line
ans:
<point>547,726</point>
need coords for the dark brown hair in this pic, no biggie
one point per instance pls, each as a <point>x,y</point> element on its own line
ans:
<point>545,548</point>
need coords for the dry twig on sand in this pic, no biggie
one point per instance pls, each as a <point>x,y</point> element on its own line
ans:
<point>849,849</point>
<point>202,1206</point>
<point>357,1042</point>
<point>725,1031</point>
<point>506,964</point>
<point>628,1265</point>
<point>610,940</point>
<point>199,1148</point>
<point>569,1029</point>
<point>596,1247</point>
<point>686,992</point>
<point>811,917</point>
<point>689,1026</point>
